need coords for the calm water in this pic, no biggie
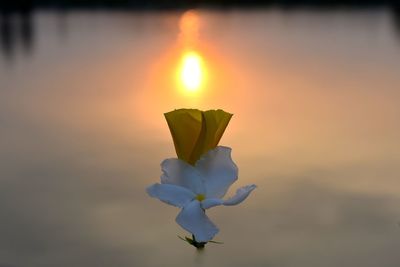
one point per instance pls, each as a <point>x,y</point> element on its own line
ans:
<point>316,101</point>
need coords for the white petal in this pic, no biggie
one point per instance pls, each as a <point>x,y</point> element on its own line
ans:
<point>218,171</point>
<point>193,219</point>
<point>211,202</point>
<point>171,194</point>
<point>178,172</point>
<point>241,194</point>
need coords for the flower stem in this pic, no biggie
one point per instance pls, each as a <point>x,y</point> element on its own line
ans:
<point>198,245</point>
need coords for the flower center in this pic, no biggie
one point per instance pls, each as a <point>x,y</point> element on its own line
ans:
<point>200,197</point>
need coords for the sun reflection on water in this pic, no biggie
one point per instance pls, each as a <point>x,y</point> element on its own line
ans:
<point>191,71</point>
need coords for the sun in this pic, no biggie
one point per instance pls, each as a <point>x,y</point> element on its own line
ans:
<point>192,71</point>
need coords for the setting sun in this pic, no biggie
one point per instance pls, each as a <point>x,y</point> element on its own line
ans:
<point>192,71</point>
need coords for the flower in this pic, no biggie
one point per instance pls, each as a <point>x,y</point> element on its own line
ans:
<point>195,132</point>
<point>196,188</point>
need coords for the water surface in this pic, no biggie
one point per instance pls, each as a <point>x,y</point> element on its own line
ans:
<point>315,101</point>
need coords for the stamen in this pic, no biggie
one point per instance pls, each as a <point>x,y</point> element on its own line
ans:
<point>200,197</point>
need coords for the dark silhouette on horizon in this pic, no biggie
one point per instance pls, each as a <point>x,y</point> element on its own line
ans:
<point>16,29</point>
<point>396,19</point>
<point>7,35</point>
<point>12,5</point>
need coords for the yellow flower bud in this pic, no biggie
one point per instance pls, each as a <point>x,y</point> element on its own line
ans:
<point>195,132</point>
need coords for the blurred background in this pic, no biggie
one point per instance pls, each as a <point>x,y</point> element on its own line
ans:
<point>314,87</point>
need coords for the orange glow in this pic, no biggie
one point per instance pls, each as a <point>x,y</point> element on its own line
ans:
<point>189,25</point>
<point>192,71</point>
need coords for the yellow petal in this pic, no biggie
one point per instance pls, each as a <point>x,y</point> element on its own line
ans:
<point>185,127</point>
<point>195,132</point>
<point>216,123</point>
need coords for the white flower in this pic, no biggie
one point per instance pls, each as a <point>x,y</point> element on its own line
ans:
<point>199,187</point>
